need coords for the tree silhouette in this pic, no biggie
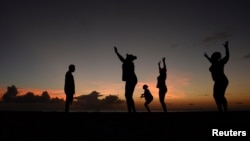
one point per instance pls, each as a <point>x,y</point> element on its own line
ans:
<point>56,100</point>
<point>28,97</point>
<point>92,100</point>
<point>89,99</point>
<point>45,96</point>
<point>10,94</point>
<point>112,99</point>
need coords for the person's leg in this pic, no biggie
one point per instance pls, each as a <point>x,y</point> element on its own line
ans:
<point>224,103</point>
<point>130,86</point>
<point>162,94</point>
<point>128,102</point>
<point>67,104</point>
<point>217,97</point>
<point>132,93</point>
<point>71,99</point>
<point>147,103</point>
<point>128,96</point>
<point>223,98</point>
<point>146,106</point>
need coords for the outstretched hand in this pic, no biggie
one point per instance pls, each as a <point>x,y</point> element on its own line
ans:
<point>226,44</point>
<point>205,54</point>
<point>159,63</point>
<point>163,59</point>
<point>142,96</point>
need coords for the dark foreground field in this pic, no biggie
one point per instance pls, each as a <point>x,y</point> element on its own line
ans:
<point>58,126</point>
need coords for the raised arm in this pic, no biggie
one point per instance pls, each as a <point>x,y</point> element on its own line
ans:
<point>119,55</point>
<point>164,64</point>
<point>226,58</point>
<point>209,59</point>
<point>159,66</point>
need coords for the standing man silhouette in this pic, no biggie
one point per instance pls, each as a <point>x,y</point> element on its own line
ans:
<point>161,84</point>
<point>219,78</point>
<point>129,76</point>
<point>69,87</point>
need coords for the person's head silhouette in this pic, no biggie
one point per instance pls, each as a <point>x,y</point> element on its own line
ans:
<point>145,86</point>
<point>71,68</point>
<point>215,57</point>
<point>130,57</point>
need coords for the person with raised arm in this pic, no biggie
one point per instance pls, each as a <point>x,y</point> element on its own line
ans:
<point>219,77</point>
<point>161,84</point>
<point>129,76</point>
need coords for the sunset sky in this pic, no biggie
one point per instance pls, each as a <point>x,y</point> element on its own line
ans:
<point>39,39</point>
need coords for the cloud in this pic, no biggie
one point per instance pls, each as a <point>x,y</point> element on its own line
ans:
<point>223,35</point>
<point>238,103</point>
<point>175,45</point>
<point>203,95</point>
<point>190,104</point>
<point>246,56</point>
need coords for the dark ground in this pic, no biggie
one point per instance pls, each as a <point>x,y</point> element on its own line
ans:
<point>59,126</point>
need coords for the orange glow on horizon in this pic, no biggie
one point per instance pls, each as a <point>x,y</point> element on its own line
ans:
<point>177,97</point>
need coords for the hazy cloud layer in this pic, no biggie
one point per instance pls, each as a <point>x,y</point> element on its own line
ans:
<point>218,36</point>
<point>222,35</point>
<point>246,56</point>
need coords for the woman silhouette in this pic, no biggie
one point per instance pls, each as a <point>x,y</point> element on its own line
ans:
<point>129,76</point>
<point>219,78</point>
<point>161,84</point>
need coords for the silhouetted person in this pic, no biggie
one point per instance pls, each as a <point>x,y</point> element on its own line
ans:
<point>69,87</point>
<point>219,78</point>
<point>161,84</point>
<point>129,76</point>
<point>148,96</point>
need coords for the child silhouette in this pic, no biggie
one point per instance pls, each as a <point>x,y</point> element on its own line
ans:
<point>148,97</point>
